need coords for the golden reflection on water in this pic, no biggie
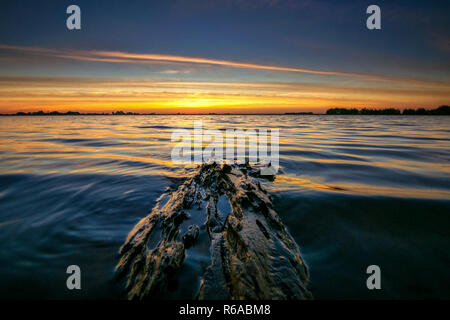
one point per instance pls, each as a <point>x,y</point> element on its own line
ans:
<point>394,156</point>
<point>284,182</point>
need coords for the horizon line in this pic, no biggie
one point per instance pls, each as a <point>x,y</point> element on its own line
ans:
<point>121,112</point>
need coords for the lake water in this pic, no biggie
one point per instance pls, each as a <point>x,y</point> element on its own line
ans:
<point>352,190</point>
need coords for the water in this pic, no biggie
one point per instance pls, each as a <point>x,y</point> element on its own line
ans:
<point>353,191</point>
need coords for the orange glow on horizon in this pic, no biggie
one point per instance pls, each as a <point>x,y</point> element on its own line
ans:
<point>316,91</point>
<point>145,96</point>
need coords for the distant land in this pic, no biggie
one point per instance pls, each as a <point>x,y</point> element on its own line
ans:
<point>440,111</point>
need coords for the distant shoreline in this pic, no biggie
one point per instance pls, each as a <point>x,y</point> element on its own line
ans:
<point>440,111</point>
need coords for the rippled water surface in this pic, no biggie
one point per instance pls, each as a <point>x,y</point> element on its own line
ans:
<point>353,191</point>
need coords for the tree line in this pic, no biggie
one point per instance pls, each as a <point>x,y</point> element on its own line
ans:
<point>442,110</point>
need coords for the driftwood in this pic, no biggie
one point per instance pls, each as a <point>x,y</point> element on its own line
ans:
<point>224,213</point>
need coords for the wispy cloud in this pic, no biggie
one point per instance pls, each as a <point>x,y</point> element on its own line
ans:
<point>108,94</point>
<point>150,58</point>
<point>175,71</point>
<point>144,94</point>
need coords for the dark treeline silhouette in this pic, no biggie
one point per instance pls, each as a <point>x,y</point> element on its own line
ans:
<point>121,113</point>
<point>442,110</point>
<point>70,113</point>
<point>51,113</point>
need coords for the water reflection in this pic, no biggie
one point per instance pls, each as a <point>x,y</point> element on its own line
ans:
<point>352,190</point>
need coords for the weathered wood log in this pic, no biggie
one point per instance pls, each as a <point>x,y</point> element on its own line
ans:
<point>250,253</point>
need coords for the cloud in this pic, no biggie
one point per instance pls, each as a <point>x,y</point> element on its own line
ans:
<point>175,71</point>
<point>125,57</point>
<point>183,61</point>
<point>106,94</point>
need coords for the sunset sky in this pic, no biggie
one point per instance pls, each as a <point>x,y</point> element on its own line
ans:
<point>243,56</point>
